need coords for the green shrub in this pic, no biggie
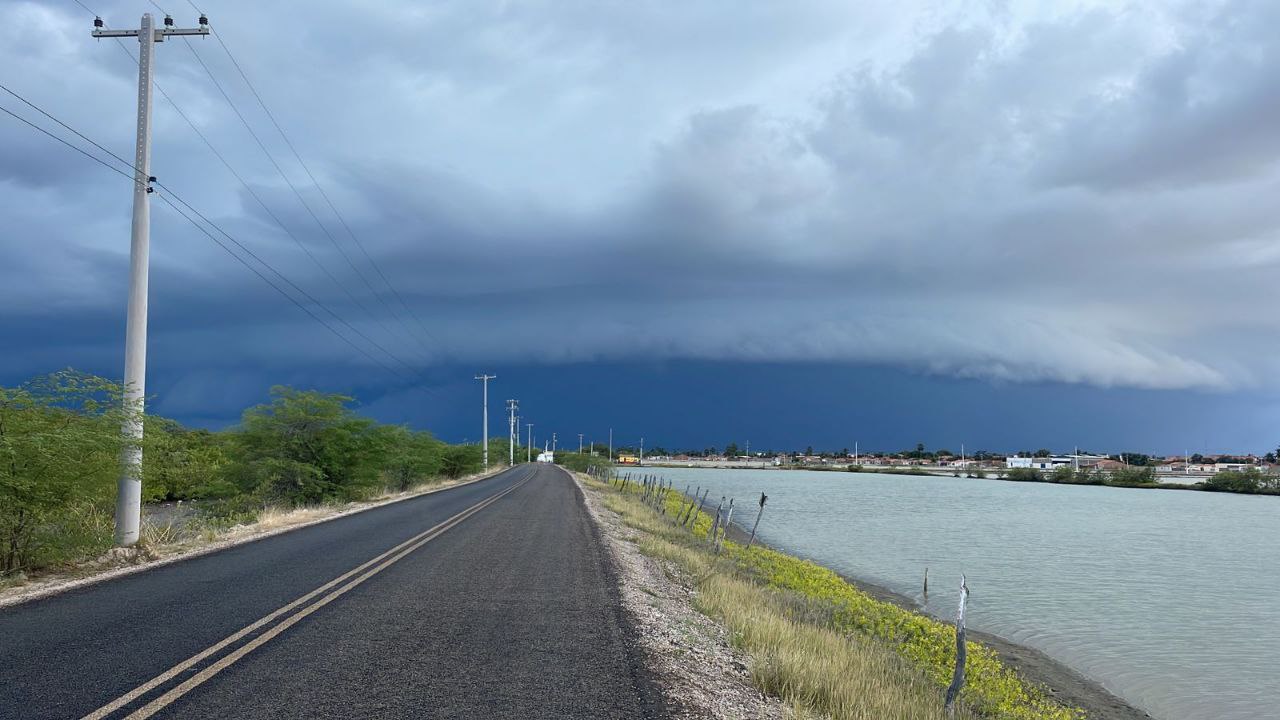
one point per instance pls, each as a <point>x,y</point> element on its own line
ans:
<point>60,445</point>
<point>1024,475</point>
<point>1250,480</point>
<point>1133,476</point>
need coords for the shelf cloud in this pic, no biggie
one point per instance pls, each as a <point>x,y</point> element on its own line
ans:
<point>1083,195</point>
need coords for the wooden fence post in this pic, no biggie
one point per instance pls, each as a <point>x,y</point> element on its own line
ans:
<point>957,678</point>
<point>715,524</point>
<point>763,498</point>
<point>724,528</point>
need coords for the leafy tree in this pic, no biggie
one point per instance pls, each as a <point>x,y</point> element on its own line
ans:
<point>409,457</point>
<point>307,446</point>
<point>1043,453</point>
<point>1138,459</point>
<point>1250,480</point>
<point>731,450</point>
<point>60,445</point>
<point>808,450</point>
<point>182,464</point>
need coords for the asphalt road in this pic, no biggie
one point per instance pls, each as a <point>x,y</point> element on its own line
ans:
<point>404,611</point>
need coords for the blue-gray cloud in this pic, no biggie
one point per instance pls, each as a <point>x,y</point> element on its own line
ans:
<point>1083,195</point>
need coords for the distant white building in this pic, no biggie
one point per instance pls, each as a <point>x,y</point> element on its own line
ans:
<point>1056,461</point>
<point>1040,463</point>
<point>546,456</point>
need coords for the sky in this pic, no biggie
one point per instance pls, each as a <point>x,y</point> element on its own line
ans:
<point>1002,224</point>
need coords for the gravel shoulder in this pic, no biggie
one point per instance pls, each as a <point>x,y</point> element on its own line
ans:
<point>701,674</point>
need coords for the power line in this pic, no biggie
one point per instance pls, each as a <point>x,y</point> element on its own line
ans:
<point>341,219</point>
<point>80,150</point>
<point>262,146</point>
<point>253,194</point>
<point>179,199</point>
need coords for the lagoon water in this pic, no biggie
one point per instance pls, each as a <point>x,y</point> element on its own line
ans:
<point>1169,599</point>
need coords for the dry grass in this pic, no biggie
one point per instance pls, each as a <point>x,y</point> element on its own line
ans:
<point>817,671</point>
<point>813,668</point>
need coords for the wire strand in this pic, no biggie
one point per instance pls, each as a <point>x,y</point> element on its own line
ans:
<point>262,146</point>
<point>187,205</point>
<point>342,220</point>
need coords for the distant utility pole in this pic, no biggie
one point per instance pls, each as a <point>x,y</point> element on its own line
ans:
<point>610,444</point>
<point>641,451</point>
<point>529,445</point>
<point>129,490</point>
<point>579,443</point>
<point>553,442</point>
<point>485,434</point>
<point>512,406</point>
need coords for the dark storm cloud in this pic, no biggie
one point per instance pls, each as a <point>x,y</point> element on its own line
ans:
<point>1081,195</point>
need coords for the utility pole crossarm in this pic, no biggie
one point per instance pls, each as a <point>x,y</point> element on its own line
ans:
<point>159,33</point>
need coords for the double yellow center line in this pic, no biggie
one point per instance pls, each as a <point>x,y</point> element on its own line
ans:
<point>284,618</point>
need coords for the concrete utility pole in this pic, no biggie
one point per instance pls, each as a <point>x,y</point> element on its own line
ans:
<point>641,451</point>
<point>579,443</point>
<point>529,445</point>
<point>553,442</point>
<point>485,435</point>
<point>512,406</point>
<point>129,489</point>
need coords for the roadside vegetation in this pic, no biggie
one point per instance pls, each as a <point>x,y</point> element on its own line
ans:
<point>60,446</point>
<point>819,643</point>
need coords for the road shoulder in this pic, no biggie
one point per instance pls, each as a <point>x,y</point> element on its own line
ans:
<point>701,674</point>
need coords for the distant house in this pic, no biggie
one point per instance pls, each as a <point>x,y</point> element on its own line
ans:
<point>1040,463</point>
<point>1222,466</point>
<point>1057,461</point>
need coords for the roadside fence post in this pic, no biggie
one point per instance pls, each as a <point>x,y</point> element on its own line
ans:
<point>715,524</point>
<point>957,678</point>
<point>724,528</point>
<point>752,539</point>
<point>693,516</point>
<point>685,509</point>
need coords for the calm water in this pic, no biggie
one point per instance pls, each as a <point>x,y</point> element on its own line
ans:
<point>1169,599</point>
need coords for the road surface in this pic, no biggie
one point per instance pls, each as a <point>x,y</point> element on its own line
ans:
<point>490,600</point>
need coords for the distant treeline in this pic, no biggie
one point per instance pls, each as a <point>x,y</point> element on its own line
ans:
<point>60,446</point>
<point>1249,481</point>
<point>919,452</point>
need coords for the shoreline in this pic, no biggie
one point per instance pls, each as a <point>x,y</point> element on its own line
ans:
<point>1057,679</point>
<point>942,473</point>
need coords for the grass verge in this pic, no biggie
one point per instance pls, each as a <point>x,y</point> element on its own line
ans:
<point>215,527</point>
<point>820,644</point>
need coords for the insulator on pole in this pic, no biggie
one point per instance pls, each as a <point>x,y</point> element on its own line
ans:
<point>168,21</point>
<point>97,22</point>
<point>203,20</point>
